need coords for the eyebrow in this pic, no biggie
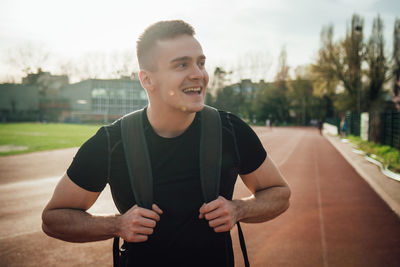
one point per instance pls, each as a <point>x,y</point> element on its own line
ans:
<point>185,58</point>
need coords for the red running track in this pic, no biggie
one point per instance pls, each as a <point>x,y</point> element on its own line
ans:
<point>335,218</point>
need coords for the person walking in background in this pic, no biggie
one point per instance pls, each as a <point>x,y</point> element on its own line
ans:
<point>320,126</point>
<point>343,127</point>
<point>180,229</point>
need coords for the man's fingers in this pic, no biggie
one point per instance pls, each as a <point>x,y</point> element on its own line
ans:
<point>214,214</point>
<point>157,209</point>
<point>137,223</point>
<point>220,225</point>
<point>144,231</point>
<point>214,209</point>
<point>210,206</point>
<point>201,213</point>
<point>217,222</point>
<point>222,228</point>
<point>149,214</point>
<point>147,222</point>
<point>139,238</point>
<point>218,214</point>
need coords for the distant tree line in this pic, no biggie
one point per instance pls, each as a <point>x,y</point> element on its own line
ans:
<point>350,74</point>
<point>29,58</point>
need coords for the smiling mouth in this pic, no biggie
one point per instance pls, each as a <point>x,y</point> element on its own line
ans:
<point>192,90</point>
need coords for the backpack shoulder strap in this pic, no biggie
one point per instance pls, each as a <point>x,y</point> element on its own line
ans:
<point>138,163</point>
<point>137,158</point>
<point>211,161</point>
<point>210,153</point>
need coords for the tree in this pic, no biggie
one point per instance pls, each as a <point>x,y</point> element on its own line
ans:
<point>255,65</point>
<point>396,58</point>
<point>264,104</point>
<point>281,89</point>
<point>324,79</point>
<point>349,71</point>
<point>220,95</point>
<point>378,66</point>
<point>123,64</point>
<point>322,71</point>
<point>301,96</point>
<point>227,98</point>
<point>271,100</point>
<point>27,58</point>
<point>282,75</point>
<point>93,65</point>
<point>219,80</point>
<point>343,61</point>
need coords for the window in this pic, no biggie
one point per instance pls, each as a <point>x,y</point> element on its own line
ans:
<point>121,99</point>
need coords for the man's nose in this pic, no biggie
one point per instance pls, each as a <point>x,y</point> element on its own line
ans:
<point>196,73</point>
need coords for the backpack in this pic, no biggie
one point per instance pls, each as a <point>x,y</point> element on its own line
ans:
<point>139,168</point>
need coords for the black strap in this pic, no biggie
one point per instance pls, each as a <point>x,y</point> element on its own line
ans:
<point>116,252</point>
<point>138,162</point>
<point>210,153</point>
<point>137,158</point>
<point>211,161</point>
<point>243,245</point>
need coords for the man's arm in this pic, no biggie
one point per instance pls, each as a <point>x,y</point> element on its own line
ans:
<point>65,217</point>
<point>270,198</point>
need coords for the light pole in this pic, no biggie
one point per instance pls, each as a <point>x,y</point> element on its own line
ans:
<point>358,30</point>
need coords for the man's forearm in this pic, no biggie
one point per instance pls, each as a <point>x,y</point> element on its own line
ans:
<point>264,205</point>
<point>78,226</point>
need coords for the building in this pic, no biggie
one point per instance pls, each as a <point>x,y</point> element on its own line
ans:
<point>102,100</point>
<point>19,102</point>
<point>46,97</point>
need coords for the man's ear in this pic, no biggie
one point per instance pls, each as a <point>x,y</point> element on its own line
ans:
<point>146,80</point>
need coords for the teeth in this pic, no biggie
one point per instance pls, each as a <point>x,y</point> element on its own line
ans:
<point>194,89</point>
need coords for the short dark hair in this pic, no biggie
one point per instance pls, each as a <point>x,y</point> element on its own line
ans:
<point>161,30</point>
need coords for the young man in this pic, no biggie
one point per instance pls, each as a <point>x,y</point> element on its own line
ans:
<point>180,229</point>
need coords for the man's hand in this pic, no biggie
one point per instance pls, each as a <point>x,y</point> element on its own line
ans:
<point>137,223</point>
<point>221,214</point>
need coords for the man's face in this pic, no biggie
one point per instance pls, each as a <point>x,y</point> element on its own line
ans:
<point>180,79</point>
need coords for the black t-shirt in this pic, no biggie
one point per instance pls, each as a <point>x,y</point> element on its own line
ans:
<point>180,237</point>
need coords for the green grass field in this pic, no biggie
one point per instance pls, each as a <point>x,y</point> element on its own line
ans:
<point>21,138</point>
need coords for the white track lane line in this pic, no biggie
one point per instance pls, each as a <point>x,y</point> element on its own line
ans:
<point>299,136</point>
<point>321,216</point>
<point>30,183</point>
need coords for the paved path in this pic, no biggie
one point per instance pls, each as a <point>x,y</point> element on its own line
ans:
<point>35,165</point>
<point>26,184</point>
<point>388,189</point>
<point>335,218</point>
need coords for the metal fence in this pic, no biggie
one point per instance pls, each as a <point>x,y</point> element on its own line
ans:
<point>390,128</point>
<point>353,123</point>
<point>383,127</point>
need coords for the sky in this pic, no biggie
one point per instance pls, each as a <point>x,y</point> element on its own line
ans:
<point>243,36</point>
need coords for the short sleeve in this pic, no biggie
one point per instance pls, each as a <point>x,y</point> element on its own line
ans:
<point>89,168</point>
<point>250,149</point>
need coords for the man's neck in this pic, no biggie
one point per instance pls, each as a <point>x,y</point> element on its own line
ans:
<point>169,123</point>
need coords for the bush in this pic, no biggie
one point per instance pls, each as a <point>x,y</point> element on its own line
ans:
<point>388,156</point>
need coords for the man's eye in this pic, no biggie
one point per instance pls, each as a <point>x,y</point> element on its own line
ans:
<point>182,65</point>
